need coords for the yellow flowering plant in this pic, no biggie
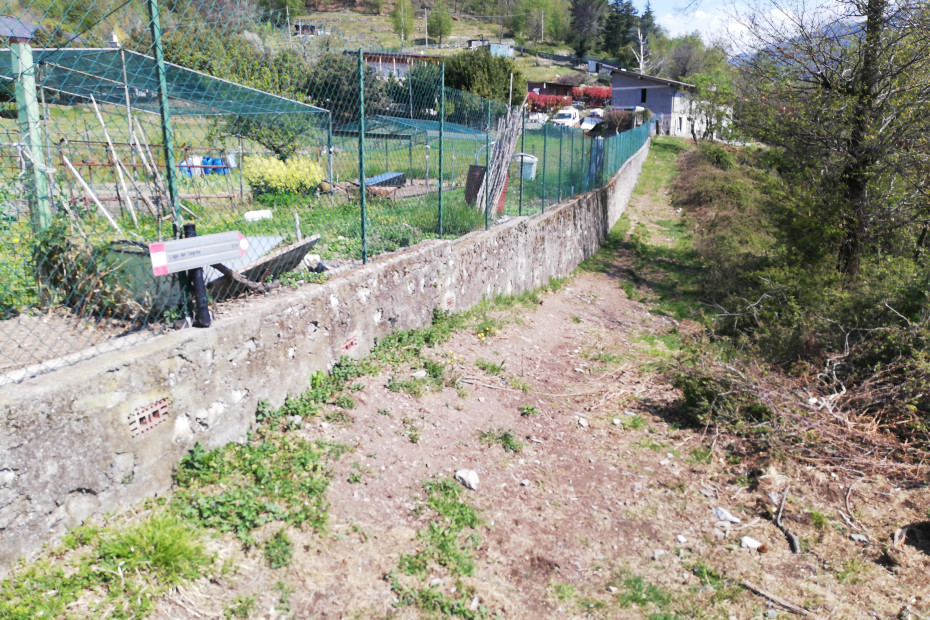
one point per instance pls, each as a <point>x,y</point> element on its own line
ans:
<point>270,175</point>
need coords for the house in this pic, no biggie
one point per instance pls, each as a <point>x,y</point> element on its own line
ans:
<point>599,66</point>
<point>397,63</point>
<point>502,50</point>
<point>303,29</point>
<point>668,100</point>
<point>549,88</point>
<point>15,28</point>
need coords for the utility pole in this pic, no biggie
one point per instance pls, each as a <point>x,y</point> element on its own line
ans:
<point>426,25</point>
<point>542,26</point>
<point>287,13</point>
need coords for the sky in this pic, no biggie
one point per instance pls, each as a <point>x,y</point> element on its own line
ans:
<point>709,18</point>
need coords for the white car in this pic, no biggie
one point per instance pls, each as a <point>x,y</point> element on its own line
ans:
<point>567,117</point>
<point>591,121</point>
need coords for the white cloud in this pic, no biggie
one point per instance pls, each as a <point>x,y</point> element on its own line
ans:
<point>708,24</point>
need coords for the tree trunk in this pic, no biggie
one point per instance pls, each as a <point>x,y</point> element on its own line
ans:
<point>860,157</point>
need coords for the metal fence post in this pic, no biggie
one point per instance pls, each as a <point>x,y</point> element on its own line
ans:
<point>27,107</point>
<point>571,174</point>
<point>522,157</point>
<point>487,170</point>
<point>329,156</point>
<point>167,137</point>
<point>584,169</point>
<point>361,152</point>
<point>561,136</point>
<point>442,123</point>
<point>545,145</point>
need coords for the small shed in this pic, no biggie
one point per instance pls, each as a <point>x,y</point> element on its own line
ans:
<point>549,88</point>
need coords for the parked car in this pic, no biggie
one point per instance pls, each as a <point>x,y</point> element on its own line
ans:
<point>567,117</point>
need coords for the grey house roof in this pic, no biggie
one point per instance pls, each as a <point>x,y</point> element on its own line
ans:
<point>655,80</point>
<point>15,28</point>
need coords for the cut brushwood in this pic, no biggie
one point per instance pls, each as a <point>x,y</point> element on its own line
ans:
<point>508,131</point>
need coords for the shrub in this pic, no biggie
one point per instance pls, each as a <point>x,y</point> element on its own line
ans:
<point>269,175</point>
<point>547,103</point>
<point>716,155</point>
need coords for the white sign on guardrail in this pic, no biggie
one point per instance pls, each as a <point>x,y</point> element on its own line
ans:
<point>183,254</point>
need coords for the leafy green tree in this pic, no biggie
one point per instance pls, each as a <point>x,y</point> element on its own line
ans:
<point>439,21</point>
<point>712,103</point>
<point>484,75</point>
<point>334,85</point>
<point>846,101</point>
<point>402,20</point>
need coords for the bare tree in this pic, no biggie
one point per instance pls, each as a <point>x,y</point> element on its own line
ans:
<point>844,90</point>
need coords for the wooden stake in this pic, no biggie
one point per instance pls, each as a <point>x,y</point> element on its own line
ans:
<point>114,159</point>
<point>90,192</point>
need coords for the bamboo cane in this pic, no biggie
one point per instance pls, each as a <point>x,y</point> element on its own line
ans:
<point>114,158</point>
<point>90,192</point>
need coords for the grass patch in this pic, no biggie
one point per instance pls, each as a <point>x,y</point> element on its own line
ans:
<point>634,590</point>
<point>528,410</point>
<point>448,541</point>
<point>279,550</point>
<point>414,387</point>
<point>490,367</point>
<point>633,423</point>
<point>242,607</point>
<point>119,573</point>
<point>410,431</point>
<point>164,546</point>
<point>563,592</point>
<point>850,571</point>
<point>504,438</point>
<point>701,455</point>
<point>819,519</point>
<point>240,487</point>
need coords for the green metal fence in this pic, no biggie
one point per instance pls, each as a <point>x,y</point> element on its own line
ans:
<point>128,124</point>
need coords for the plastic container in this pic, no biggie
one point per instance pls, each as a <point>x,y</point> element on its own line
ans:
<point>529,163</point>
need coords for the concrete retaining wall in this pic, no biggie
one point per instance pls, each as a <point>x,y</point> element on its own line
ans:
<point>103,434</point>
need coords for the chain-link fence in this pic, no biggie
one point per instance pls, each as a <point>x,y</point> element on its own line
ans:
<point>154,160</point>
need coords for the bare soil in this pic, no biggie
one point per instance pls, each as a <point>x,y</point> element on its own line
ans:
<point>606,489</point>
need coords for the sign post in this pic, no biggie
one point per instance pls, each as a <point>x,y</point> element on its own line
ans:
<point>191,255</point>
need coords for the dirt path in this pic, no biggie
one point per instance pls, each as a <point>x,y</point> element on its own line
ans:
<point>605,512</point>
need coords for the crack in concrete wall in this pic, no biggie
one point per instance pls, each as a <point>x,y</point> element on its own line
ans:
<point>67,448</point>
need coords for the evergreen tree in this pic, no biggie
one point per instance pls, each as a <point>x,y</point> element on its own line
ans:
<point>587,16</point>
<point>619,31</point>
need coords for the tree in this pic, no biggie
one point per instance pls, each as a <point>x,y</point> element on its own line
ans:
<point>619,30</point>
<point>439,21</point>
<point>711,103</point>
<point>586,24</point>
<point>402,20</point>
<point>333,85</point>
<point>843,92</point>
<point>484,75</point>
<point>688,56</point>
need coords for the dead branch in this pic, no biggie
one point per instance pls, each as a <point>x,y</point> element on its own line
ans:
<point>792,539</point>
<point>475,381</point>
<point>801,611</point>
